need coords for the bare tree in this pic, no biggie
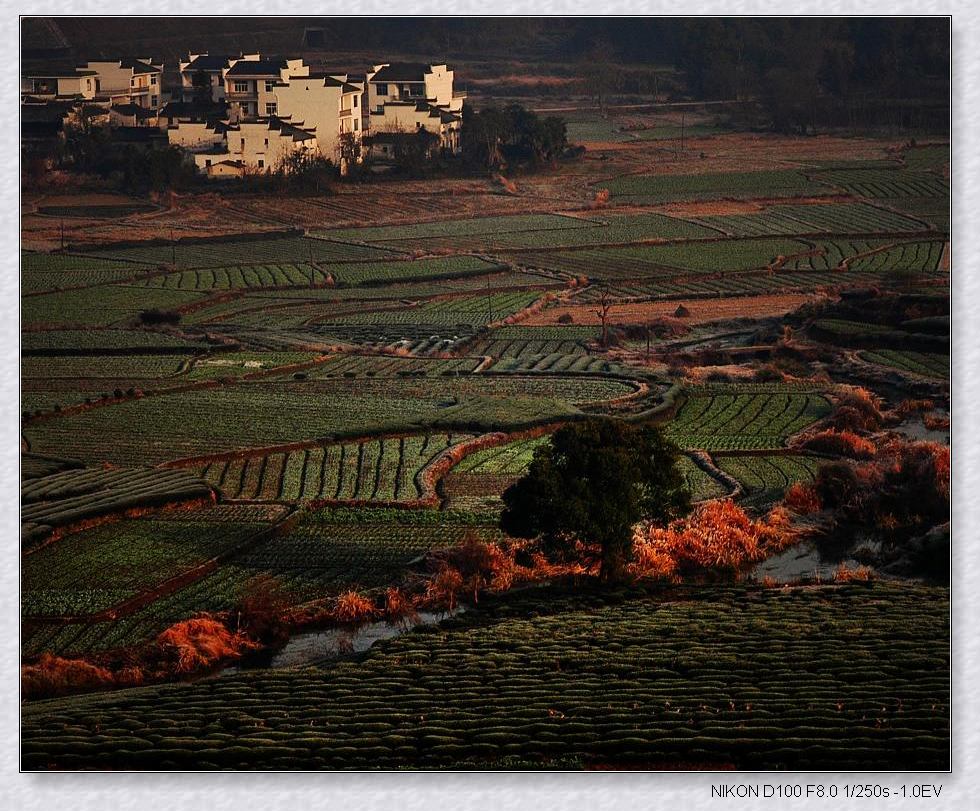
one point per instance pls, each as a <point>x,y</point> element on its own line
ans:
<point>602,311</point>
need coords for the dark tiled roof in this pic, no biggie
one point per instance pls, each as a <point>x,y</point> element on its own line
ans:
<point>402,72</point>
<point>276,123</point>
<point>138,135</point>
<point>212,62</point>
<point>47,112</point>
<point>258,67</point>
<point>133,109</point>
<point>137,66</point>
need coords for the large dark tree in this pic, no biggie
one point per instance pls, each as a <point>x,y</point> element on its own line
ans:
<point>591,484</point>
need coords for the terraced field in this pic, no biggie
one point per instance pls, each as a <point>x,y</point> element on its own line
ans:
<point>66,497</point>
<point>221,253</point>
<point>765,478</point>
<point>745,417</point>
<point>839,218</point>
<point>383,470</point>
<point>97,568</point>
<point>205,422</point>
<point>737,678</point>
<point>660,188</point>
<point>926,364</point>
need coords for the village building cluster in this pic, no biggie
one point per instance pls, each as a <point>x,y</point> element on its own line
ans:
<point>251,112</point>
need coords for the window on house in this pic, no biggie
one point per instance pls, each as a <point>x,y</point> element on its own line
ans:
<point>270,86</point>
<point>266,143</point>
<point>355,125</point>
<point>241,87</point>
<point>243,144</point>
<point>153,80</point>
<point>270,108</point>
<point>261,163</point>
<point>153,101</point>
<point>355,101</point>
<point>207,161</point>
<point>382,89</point>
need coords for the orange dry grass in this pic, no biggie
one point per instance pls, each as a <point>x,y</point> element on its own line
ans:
<point>841,443</point>
<point>701,310</point>
<point>352,607</point>
<point>399,608</point>
<point>843,574</point>
<point>54,676</point>
<point>802,499</point>
<point>201,642</point>
<point>718,535</point>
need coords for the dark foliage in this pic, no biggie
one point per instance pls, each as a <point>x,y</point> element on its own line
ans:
<point>591,484</point>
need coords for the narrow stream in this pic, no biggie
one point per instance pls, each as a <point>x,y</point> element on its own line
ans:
<point>324,645</point>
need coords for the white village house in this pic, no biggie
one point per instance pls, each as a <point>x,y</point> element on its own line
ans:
<point>243,113</point>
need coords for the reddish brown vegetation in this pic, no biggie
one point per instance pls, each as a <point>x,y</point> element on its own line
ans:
<point>802,499</point>
<point>353,608</point>
<point>198,643</point>
<point>717,536</point>
<point>841,443</point>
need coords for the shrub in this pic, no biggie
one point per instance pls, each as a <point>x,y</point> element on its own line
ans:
<point>198,643</point>
<point>801,498</point>
<point>53,676</point>
<point>857,410</point>
<point>353,608</point>
<point>399,608</point>
<point>836,484</point>
<point>841,443</point>
<point>717,536</point>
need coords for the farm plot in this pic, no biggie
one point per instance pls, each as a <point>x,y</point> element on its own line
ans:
<point>840,218</point>
<point>328,552</point>
<point>104,341</point>
<point>93,570</point>
<point>611,229</point>
<point>446,267</point>
<point>699,311</point>
<point>765,478</point>
<point>460,310</point>
<point>906,257</point>
<point>242,276</point>
<point>700,484</point>
<point>930,156</point>
<point>742,678</point>
<point>746,417</point>
<point>511,459</point>
<point>594,129</point>
<point>234,364</point>
<point>926,364</point>
<point>117,367</point>
<point>379,470</point>
<point>526,348</point>
<point>99,306</point>
<point>933,210</point>
<point>224,253</point>
<point>475,226</point>
<point>665,260</point>
<point>558,363</point>
<point>48,271</point>
<point>886,183</point>
<point>251,415</point>
<point>417,339</point>
<point>391,366</point>
<point>66,497</point>
<point>662,188</point>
